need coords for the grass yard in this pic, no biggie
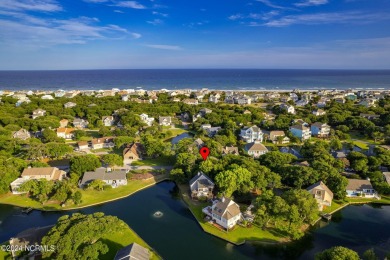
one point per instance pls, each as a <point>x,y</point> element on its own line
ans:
<point>236,236</point>
<point>360,144</point>
<point>89,197</point>
<point>4,255</point>
<point>117,241</point>
<point>159,161</point>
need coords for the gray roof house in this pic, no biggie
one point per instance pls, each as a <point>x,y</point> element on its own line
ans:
<point>255,149</point>
<point>357,188</point>
<point>201,186</point>
<point>114,178</point>
<point>133,251</point>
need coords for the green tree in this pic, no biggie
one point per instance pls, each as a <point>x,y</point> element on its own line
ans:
<point>58,150</point>
<point>337,253</point>
<point>178,175</point>
<point>78,134</point>
<point>370,255</point>
<point>96,185</point>
<point>84,163</point>
<point>112,160</point>
<point>77,197</point>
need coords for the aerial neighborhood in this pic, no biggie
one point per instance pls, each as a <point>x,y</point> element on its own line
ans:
<point>268,152</point>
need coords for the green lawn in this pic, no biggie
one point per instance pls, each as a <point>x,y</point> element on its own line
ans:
<point>89,197</point>
<point>4,255</point>
<point>236,236</point>
<point>336,204</point>
<point>360,144</point>
<point>159,161</point>
<point>116,241</point>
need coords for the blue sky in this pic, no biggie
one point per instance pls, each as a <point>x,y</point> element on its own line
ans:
<point>110,34</point>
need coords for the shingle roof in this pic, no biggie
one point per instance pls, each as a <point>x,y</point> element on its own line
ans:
<point>255,147</point>
<point>133,252</point>
<point>205,181</point>
<point>223,209</point>
<point>355,184</point>
<point>320,185</point>
<point>101,174</point>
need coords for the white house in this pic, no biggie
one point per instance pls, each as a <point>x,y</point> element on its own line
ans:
<point>201,186</point>
<point>146,119</point>
<point>290,109</point>
<point>47,97</point>
<point>318,112</point>
<point>255,149</point>
<point>165,120</point>
<point>320,129</point>
<point>69,104</point>
<point>38,112</point>
<point>114,178</point>
<point>108,120</point>
<point>358,188</point>
<point>251,134</point>
<point>225,212</point>
<point>65,132</point>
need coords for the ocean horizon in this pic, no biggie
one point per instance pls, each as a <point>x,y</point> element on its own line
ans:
<point>213,79</point>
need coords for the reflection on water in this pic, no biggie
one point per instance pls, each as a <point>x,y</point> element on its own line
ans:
<point>177,235</point>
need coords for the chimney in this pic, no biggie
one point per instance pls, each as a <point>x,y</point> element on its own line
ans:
<point>223,199</point>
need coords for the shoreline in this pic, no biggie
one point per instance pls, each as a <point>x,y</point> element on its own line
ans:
<point>93,204</point>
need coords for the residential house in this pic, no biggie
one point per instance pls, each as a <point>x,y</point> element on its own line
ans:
<point>339,100</point>
<point>300,122</point>
<point>199,143</point>
<point>230,150</point>
<point>114,178</point>
<point>358,188</point>
<point>108,120</point>
<point>65,132</point>
<point>322,103</point>
<point>319,112</point>
<point>290,109</point>
<point>255,149</point>
<point>247,112</point>
<point>243,100</point>
<point>69,105</point>
<point>226,213</point>
<point>104,142</point>
<point>278,137</point>
<point>205,111</point>
<point>370,116</point>
<point>80,123</point>
<point>146,119</point>
<point>251,134</point>
<point>165,120</point>
<point>59,93</point>
<point>22,134</point>
<point>214,98</point>
<point>133,151</point>
<point>320,129</point>
<point>322,194</point>
<point>133,252</point>
<point>48,173</point>
<point>301,131</point>
<point>83,145</point>
<point>38,112</point>
<point>201,186</point>
<point>190,101</point>
<point>47,97</point>
<point>64,122</point>
<point>368,102</point>
<point>125,97</point>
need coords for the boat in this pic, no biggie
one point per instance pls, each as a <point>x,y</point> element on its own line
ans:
<point>326,216</point>
<point>27,210</point>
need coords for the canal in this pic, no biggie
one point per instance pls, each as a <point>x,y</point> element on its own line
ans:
<point>177,235</point>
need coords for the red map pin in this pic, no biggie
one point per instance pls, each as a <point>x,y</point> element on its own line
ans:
<point>204,152</point>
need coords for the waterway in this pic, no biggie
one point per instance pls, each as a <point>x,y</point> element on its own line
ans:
<point>177,235</point>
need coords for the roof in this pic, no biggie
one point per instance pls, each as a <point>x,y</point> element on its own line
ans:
<point>135,148</point>
<point>276,133</point>
<point>65,130</point>
<point>101,174</point>
<point>39,171</point>
<point>300,127</point>
<point>133,252</point>
<point>82,143</point>
<point>255,147</point>
<point>30,236</point>
<point>102,140</point>
<point>226,208</point>
<point>387,177</point>
<point>230,150</point>
<point>320,186</point>
<point>205,180</point>
<point>318,124</point>
<point>355,184</point>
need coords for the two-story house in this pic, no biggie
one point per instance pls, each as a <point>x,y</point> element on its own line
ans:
<point>66,133</point>
<point>201,186</point>
<point>360,188</point>
<point>165,120</point>
<point>80,123</point>
<point>69,105</point>
<point>322,194</point>
<point>255,149</point>
<point>146,119</point>
<point>251,134</point>
<point>320,129</point>
<point>290,109</point>
<point>38,112</point>
<point>278,137</point>
<point>226,213</point>
<point>108,120</point>
<point>301,131</point>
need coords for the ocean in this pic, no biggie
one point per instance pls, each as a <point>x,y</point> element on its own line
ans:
<point>214,79</point>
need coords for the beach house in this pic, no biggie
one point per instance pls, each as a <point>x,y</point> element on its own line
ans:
<point>108,120</point>
<point>224,212</point>
<point>251,133</point>
<point>38,112</point>
<point>66,133</point>
<point>278,137</point>
<point>22,134</point>
<point>133,251</point>
<point>322,194</point>
<point>301,131</point>
<point>320,129</point>
<point>201,186</point>
<point>360,188</point>
<point>255,149</point>
<point>114,178</point>
<point>165,120</point>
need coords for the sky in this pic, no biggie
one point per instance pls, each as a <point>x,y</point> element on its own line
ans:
<point>117,34</point>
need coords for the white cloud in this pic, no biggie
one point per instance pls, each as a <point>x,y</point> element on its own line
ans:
<point>311,3</point>
<point>164,47</point>
<point>235,17</point>
<point>136,35</point>
<point>270,4</point>
<point>160,14</point>
<point>255,16</point>
<point>155,21</point>
<point>130,4</point>
<point>30,5</point>
<point>119,11</point>
<point>96,1</point>
<point>326,18</point>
